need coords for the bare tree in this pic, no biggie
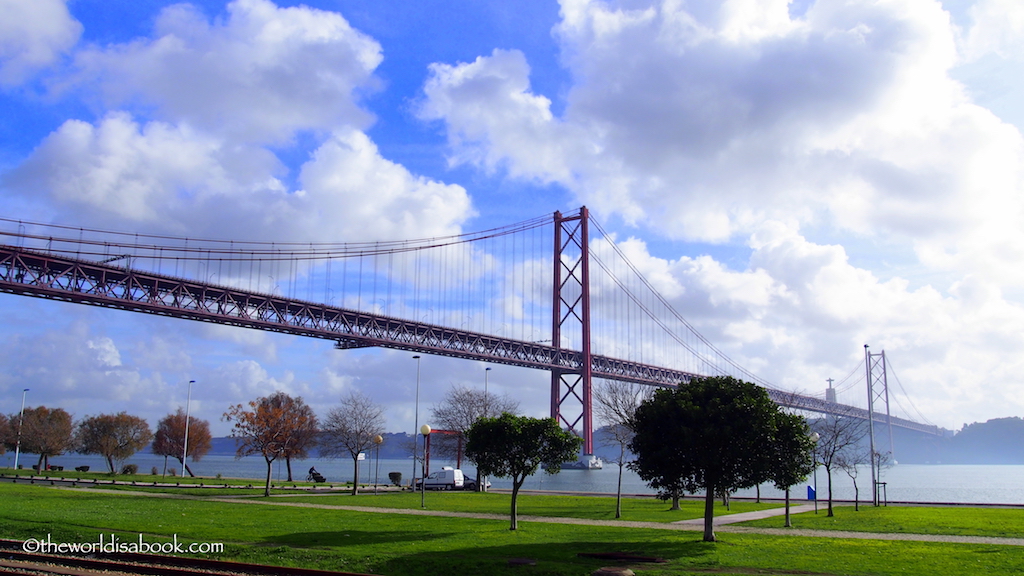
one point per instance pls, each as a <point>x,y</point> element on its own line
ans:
<point>5,433</point>
<point>116,437</point>
<point>170,438</point>
<point>46,432</point>
<point>350,428</point>
<point>849,461</point>
<point>459,410</point>
<point>837,436</point>
<point>615,403</point>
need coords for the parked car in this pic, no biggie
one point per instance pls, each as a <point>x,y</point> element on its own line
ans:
<point>446,478</point>
<point>469,483</point>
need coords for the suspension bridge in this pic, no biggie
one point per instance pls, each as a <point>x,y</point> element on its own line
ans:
<point>555,293</point>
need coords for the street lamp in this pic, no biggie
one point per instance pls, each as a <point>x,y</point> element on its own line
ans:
<point>814,438</point>
<point>376,477</point>
<point>425,430</point>
<point>481,480</point>
<point>416,423</point>
<point>184,447</point>
<point>21,422</point>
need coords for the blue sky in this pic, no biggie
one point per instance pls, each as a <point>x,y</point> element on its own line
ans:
<point>807,177</point>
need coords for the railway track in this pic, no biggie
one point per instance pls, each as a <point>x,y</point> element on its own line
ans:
<point>15,561</point>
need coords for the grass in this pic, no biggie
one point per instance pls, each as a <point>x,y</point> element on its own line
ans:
<point>965,521</point>
<point>396,545</point>
<point>586,507</point>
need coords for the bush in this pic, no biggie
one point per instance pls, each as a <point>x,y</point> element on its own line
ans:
<point>154,471</point>
<point>172,471</point>
<point>395,477</point>
<point>130,469</point>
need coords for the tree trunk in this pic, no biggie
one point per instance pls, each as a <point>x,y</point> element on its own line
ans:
<point>184,467</point>
<point>516,484</point>
<point>788,523</point>
<point>758,493</point>
<point>110,464</point>
<point>675,500</point>
<point>828,473</point>
<point>618,493</point>
<point>288,464</point>
<point>266,489</point>
<point>856,497</point>
<point>709,513</point>
<point>355,481</point>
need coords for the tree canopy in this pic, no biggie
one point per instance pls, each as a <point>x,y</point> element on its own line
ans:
<point>46,432</point>
<point>461,407</point>
<point>170,436</point>
<point>714,434</point>
<point>116,437</point>
<point>514,447</point>
<point>792,454</point>
<point>264,429</point>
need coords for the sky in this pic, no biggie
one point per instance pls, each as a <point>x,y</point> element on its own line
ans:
<point>803,177</point>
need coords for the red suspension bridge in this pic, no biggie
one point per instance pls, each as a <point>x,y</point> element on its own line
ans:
<point>553,293</point>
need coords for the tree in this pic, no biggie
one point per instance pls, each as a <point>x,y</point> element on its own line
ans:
<point>849,461</point>
<point>515,446</point>
<point>113,436</point>
<point>170,438</point>
<point>792,454</point>
<point>615,403</point>
<point>301,425</point>
<point>709,434</point>
<point>5,433</point>
<point>350,429</point>
<point>458,411</point>
<point>46,432</point>
<point>837,436</point>
<point>261,430</point>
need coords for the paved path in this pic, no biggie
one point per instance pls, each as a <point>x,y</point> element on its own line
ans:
<point>685,525</point>
<point>745,516</point>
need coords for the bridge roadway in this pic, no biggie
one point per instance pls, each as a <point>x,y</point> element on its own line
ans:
<point>56,277</point>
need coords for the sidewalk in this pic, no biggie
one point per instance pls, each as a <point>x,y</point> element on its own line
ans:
<point>745,516</point>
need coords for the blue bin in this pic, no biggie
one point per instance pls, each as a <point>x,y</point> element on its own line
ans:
<point>811,494</point>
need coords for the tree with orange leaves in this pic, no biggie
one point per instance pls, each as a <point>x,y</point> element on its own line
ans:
<point>170,437</point>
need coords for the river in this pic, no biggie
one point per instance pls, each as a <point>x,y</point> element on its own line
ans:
<point>904,483</point>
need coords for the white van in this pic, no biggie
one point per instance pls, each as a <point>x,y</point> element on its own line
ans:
<point>447,478</point>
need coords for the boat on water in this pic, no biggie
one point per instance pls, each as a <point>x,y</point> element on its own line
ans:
<point>586,462</point>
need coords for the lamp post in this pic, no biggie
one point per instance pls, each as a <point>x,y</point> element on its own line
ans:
<point>814,438</point>
<point>416,424</point>
<point>184,447</point>
<point>425,430</point>
<point>376,476</point>
<point>481,480</point>
<point>21,422</point>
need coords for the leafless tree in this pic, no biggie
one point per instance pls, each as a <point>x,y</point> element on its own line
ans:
<point>350,429</point>
<point>170,438</point>
<point>5,433</point>
<point>849,461</point>
<point>838,436</point>
<point>615,404</point>
<point>458,411</point>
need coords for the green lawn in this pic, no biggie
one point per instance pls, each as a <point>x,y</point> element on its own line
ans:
<point>965,521</point>
<point>395,544</point>
<point>587,507</point>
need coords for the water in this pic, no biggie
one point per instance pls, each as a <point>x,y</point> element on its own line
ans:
<point>905,482</point>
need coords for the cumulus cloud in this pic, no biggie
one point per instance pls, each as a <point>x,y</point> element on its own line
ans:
<point>260,75</point>
<point>703,119</point>
<point>33,35</point>
<point>997,27</point>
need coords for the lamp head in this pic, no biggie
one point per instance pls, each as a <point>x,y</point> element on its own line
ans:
<point>425,430</point>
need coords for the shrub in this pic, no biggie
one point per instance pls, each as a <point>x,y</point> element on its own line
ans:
<point>130,469</point>
<point>154,471</point>
<point>395,477</point>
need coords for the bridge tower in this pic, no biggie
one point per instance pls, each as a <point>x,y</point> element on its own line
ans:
<point>571,387</point>
<point>878,391</point>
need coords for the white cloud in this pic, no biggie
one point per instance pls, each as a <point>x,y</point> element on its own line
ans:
<point>997,27</point>
<point>33,35</point>
<point>260,75</point>
<point>701,122</point>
